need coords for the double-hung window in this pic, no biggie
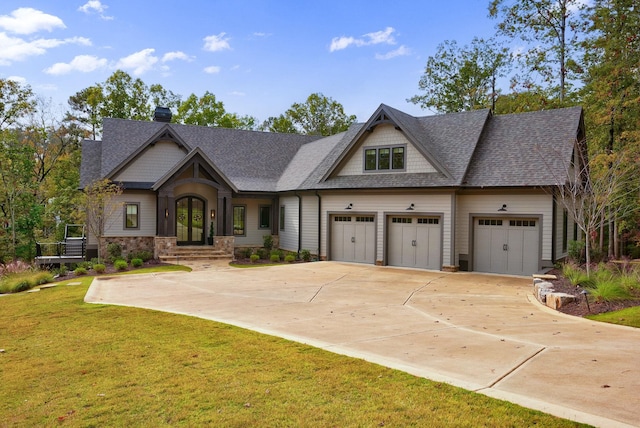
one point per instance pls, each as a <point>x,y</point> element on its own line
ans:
<point>131,215</point>
<point>384,158</point>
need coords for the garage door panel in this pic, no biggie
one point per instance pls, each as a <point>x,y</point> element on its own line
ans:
<point>506,245</point>
<point>414,242</point>
<point>353,238</point>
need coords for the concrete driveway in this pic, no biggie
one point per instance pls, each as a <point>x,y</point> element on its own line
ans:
<point>484,333</point>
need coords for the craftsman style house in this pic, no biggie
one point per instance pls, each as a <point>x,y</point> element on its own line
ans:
<point>470,191</point>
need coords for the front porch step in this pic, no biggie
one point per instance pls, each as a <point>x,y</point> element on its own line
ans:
<point>195,253</point>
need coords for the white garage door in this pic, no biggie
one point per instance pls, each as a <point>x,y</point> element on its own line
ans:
<point>415,242</point>
<point>504,245</point>
<point>353,238</point>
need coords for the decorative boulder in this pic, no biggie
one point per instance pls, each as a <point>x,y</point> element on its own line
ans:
<point>558,300</point>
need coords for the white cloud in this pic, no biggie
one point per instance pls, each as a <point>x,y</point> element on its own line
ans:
<point>140,62</point>
<point>81,63</point>
<point>212,69</point>
<point>18,79</point>
<point>26,20</point>
<point>172,56</point>
<point>401,51</point>
<point>378,37</point>
<point>95,6</point>
<point>17,49</point>
<point>215,43</point>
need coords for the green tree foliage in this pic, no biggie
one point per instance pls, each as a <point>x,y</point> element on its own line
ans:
<point>208,111</point>
<point>548,29</point>
<point>16,101</point>
<point>120,96</point>
<point>20,213</point>
<point>85,110</point>
<point>462,78</point>
<point>612,93</point>
<point>318,115</point>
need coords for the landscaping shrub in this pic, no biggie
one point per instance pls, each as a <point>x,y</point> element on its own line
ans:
<point>609,291</point>
<point>275,258</point>
<point>278,253</point>
<point>245,252</point>
<point>267,242</point>
<point>263,253</point>
<point>305,255</point>
<point>99,268</point>
<point>114,250</point>
<point>17,266</point>
<point>17,282</point>
<point>575,250</point>
<point>254,258</point>
<point>290,258</point>
<point>576,276</point>
<point>144,255</point>
<point>136,262</point>
<point>120,264</point>
<point>80,271</point>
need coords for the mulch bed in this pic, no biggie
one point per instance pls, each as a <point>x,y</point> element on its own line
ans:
<point>579,306</point>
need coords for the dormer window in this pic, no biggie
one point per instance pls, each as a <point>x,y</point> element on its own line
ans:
<point>384,158</point>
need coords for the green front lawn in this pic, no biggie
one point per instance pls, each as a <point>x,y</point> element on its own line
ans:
<point>629,317</point>
<point>69,363</point>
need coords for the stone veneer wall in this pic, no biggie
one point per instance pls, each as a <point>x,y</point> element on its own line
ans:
<point>225,244</point>
<point>164,245</point>
<point>129,244</point>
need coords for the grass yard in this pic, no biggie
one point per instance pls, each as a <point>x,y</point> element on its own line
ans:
<point>68,363</point>
<point>629,317</point>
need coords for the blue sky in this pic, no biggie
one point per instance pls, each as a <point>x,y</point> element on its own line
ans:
<point>258,57</point>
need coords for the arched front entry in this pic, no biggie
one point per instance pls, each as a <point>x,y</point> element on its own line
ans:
<point>190,221</point>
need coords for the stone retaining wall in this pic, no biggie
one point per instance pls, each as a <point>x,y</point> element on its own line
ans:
<point>129,244</point>
<point>545,293</point>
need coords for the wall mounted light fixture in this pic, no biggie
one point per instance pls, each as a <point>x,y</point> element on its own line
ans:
<point>213,214</point>
<point>504,207</point>
<point>411,207</point>
<point>348,207</point>
<point>166,212</point>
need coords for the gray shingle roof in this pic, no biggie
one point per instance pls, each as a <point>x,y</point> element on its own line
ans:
<point>525,149</point>
<point>469,149</point>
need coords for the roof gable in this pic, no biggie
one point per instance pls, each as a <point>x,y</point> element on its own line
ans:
<point>196,156</point>
<point>403,123</point>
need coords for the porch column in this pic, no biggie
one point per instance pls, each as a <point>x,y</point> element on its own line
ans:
<point>166,215</point>
<point>224,217</point>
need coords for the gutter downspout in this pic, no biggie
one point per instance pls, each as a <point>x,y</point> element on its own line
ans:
<point>319,222</point>
<point>299,223</point>
<point>554,220</point>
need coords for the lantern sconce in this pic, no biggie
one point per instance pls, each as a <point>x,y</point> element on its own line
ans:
<point>166,213</point>
<point>213,214</point>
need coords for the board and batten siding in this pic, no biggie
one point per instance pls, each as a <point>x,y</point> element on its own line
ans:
<point>253,234</point>
<point>146,215</point>
<point>539,204</point>
<point>382,205</point>
<point>289,236</point>
<point>387,135</point>
<point>153,163</point>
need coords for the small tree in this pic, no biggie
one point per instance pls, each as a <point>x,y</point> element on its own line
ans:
<point>100,203</point>
<point>596,190</point>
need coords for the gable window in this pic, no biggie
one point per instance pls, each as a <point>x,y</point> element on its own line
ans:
<point>384,158</point>
<point>264,216</point>
<point>239,217</point>
<point>131,215</point>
